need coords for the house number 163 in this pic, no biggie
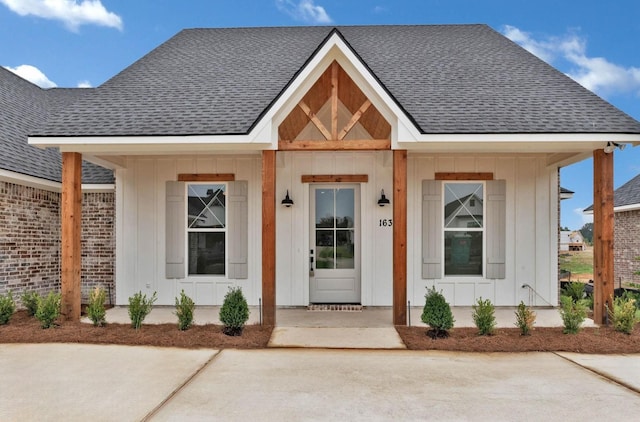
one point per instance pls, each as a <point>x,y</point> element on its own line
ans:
<point>386,222</point>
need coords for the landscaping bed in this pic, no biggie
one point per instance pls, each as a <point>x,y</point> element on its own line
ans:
<point>25,329</point>
<point>603,340</point>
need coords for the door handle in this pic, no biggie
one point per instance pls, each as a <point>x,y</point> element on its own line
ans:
<point>311,261</point>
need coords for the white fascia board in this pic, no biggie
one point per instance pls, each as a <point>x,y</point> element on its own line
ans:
<point>524,143</point>
<point>630,207</point>
<point>98,188</point>
<point>151,144</point>
<point>622,208</point>
<point>32,182</point>
<point>49,185</point>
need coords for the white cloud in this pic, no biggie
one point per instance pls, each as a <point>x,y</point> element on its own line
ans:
<point>84,84</point>
<point>594,73</point>
<point>33,75</point>
<point>303,10</point>
<point>73,13</point>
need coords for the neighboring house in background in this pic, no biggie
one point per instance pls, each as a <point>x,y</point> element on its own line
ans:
<point>334,116</point>
<point>566,193</point>
<point>30,197</point>
<point>571,241</point>
<point>626,249</point>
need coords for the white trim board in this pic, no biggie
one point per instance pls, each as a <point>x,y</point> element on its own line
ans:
<point>48,185</point>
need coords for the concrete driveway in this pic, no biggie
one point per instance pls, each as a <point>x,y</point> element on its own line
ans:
<point>119,383</point>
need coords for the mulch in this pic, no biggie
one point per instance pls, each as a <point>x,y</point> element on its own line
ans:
<point>604,340</point>
<point>25,329</point>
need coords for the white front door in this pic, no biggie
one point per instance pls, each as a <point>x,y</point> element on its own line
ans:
<point>335,244</point>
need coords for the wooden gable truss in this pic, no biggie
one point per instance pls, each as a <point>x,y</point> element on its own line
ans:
<point>334,115</point>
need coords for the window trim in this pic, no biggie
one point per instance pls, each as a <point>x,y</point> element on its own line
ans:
<point>496,201</point>
<point>444,229</point>
<point>224,230</point>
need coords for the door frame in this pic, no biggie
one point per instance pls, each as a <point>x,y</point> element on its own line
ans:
<point>310,231</point>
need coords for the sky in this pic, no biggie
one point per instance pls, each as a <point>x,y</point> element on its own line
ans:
<point>83,43</point>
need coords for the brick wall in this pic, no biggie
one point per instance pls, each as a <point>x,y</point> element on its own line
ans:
<point>98,244</point>
<point>627,246</point>
<point>30,240</point>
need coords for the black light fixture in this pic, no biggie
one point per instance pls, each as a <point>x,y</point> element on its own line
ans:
<point>383,199</point>
<point>611,146</point>
<point>287,201</point>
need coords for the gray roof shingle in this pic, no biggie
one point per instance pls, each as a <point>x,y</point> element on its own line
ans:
<point>447,78</point>
<point>628,194</point>
<point>24,107</point>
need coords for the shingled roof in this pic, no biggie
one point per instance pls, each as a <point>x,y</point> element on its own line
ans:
<point>448,79</point>
<point>24,107</point>
<point>626,195</point>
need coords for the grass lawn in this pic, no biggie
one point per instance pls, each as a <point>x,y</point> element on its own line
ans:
<point>579,263</point>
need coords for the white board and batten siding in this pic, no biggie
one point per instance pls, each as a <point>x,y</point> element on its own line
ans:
<point>293,224</point>
<point>141,230</point>
<point>530,222</point>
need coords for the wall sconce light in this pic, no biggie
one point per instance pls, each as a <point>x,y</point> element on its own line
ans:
<point>383,199</point>
<point>611,146</point>
<point>287,201</point>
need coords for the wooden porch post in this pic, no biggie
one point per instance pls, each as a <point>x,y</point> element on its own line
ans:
<point>71,214</point>
<point>269,237</point>
<point>400,237</point>
<point>602,234</point>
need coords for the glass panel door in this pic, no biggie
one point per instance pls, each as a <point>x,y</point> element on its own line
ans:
<point>334,245</point>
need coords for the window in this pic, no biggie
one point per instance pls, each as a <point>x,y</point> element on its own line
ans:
<point>463,228</point>
<point>335,231</point>
<point>206,228</point>
<point>465,222</point>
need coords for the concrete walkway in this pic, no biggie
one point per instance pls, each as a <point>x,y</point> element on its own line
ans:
<point>52,382</point>
<point>371,328</point>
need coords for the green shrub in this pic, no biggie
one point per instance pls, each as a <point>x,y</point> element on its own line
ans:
<point>48,309</point>
<point>96,310</point>
<point>30,302</point>
<point>623,314</point>
<point>628,294</point>
<point>184,311</point>
<point>575,290</point>
<point>139,308</point>
<point>588,302</point>
<point>573,314</point>
<point>525,318</point>
<point>437,314</point>
<point>7,307</point>
<point>484,317</point>
<point>234,312</point>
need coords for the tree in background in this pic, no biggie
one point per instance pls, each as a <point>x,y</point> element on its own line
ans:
<point>587,232</point>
